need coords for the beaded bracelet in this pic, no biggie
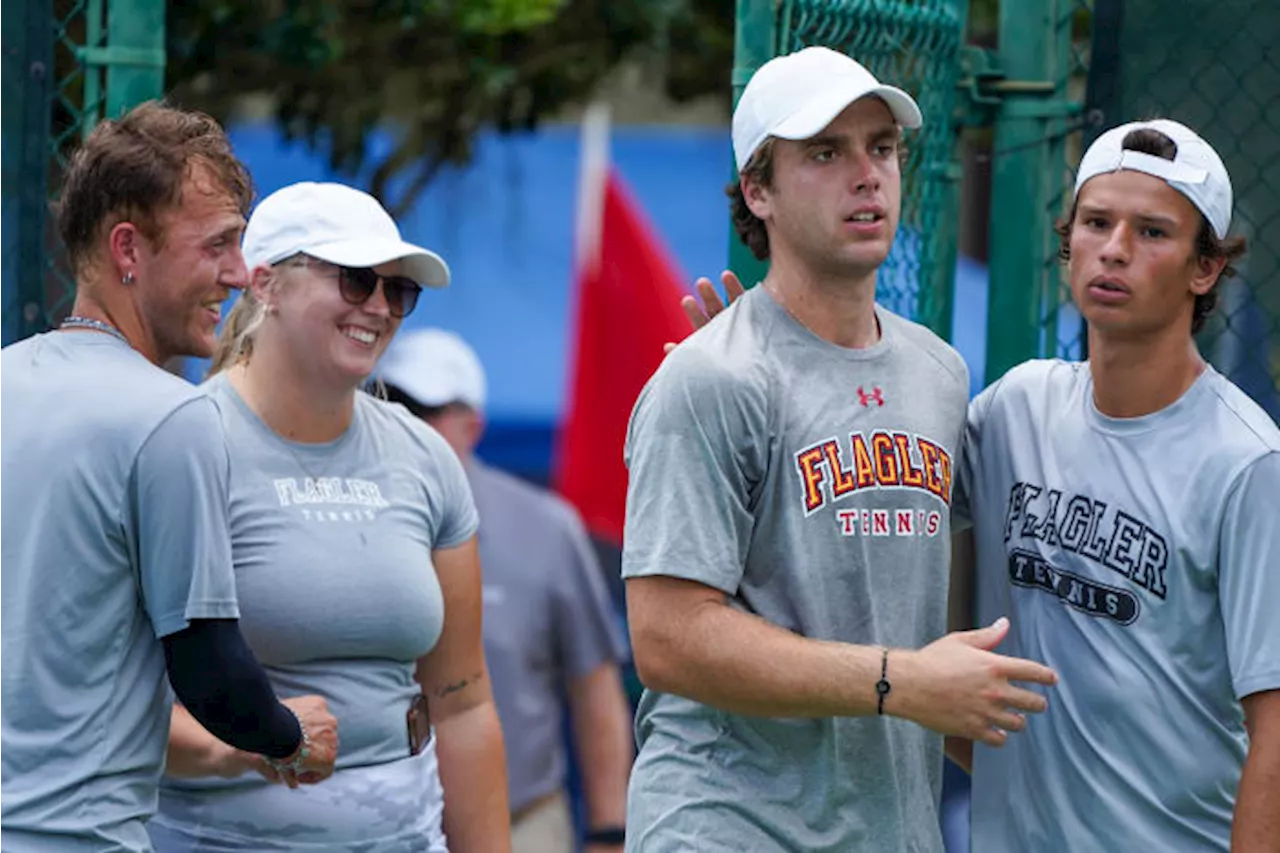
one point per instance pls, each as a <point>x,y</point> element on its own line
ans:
<point>300,755</point>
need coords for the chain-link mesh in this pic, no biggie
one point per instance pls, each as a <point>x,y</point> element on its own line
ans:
<point>77,95</point>
<point>914,44</point>
<point>1214,67</point>
<point>37,287</point>
<point>13,76</point>
<point>1061,329</point>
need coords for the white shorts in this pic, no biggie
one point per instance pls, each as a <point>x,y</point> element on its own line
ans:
<point>395,807</point>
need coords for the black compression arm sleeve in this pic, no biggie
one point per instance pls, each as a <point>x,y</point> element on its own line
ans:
<point>222,684</point>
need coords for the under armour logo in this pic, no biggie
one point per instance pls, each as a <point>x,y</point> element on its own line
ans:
<point>876,396</point>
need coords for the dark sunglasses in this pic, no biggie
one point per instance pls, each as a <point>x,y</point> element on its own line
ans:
<point>357,284</point>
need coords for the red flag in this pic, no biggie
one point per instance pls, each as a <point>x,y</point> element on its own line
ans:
<point>628,305</point>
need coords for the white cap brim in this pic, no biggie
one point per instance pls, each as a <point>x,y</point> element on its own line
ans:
<point>813,116</point>
<point>423,266</point>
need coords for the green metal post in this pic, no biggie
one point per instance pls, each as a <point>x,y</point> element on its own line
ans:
<point>755,43</point>
<point>938,309</point>
<point>135,45</point>
<point>1033,52</point>
<point>28,78</point>
<point>91,103</point>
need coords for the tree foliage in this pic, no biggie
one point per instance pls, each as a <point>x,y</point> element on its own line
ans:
<point>433,72</point>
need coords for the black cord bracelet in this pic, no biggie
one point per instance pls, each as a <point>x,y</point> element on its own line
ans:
<point>883,686</point>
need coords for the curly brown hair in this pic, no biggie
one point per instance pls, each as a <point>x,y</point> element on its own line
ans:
<point>133,168</point>
<point>1208,244</point>
<point>750,228</point>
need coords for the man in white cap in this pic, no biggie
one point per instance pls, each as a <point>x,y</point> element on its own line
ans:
<point>1124,514</point>
<point>788,520</point>
<point>552,638</point>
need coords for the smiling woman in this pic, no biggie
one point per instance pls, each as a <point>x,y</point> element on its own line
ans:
<point>352,536</point>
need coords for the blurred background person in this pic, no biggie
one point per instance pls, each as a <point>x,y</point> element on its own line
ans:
<point>552,637</point>
<point>353,538</point>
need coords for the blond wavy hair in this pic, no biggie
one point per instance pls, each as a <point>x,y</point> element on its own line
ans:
<point>235,341</point>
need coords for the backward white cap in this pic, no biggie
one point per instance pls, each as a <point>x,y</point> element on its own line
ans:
<point>795,96</point>
<point>1196,171</point>
<point>338,224</point>
<point>435,367</point>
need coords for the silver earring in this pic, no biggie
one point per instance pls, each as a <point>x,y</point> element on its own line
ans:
<point>127,278</point>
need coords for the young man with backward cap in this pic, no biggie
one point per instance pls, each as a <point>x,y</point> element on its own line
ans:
<point>1125,515</point>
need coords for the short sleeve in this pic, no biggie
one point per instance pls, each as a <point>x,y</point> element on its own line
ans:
<point>968,470</point>
<point>459,519</point>
<point>1249,577</point>
<point>696,453</point>
<point>178,501</point>
<point>588,630</point>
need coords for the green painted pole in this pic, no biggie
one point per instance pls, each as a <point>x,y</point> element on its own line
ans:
<point>91,104</point>
<point>755,43</point>
<point>135,53</point>
<point>937,308</point>
<point>1026,169</point>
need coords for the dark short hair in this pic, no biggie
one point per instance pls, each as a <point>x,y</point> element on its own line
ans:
<point>1208,244</point>
<point>750,228</point>
<point>133,168</point>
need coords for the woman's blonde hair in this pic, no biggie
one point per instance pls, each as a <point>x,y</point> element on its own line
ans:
<point>235,341</point>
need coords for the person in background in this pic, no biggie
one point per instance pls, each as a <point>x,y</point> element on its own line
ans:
<point>353,538</point>
<point>550,633</point>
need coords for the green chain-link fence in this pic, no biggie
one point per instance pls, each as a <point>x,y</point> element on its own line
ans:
<point>75,61</point>
<point>66,98</point>
<point>1061,329</point>
<point>77,103</point>
<point>1214,65</point>
<point>27,82</point>
<point>913,44</point>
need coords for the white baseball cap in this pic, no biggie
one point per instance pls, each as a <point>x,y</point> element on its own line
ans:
<point>338,224</point>
<point>435,368</point>
<point>797,95</point>
<point>1196,171</point>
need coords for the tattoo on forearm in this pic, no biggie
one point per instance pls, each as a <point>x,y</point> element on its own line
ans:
<point>461,684</point>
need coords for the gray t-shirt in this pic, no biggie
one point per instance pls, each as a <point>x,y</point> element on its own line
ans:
<point>547,619</point>
<point>114,535</point>
<point>1140,558</point>
<point>811,483</point>
<point>338,596</point>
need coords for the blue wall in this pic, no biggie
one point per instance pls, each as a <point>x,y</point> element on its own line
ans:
<point>505,224</point>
